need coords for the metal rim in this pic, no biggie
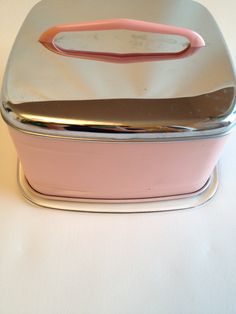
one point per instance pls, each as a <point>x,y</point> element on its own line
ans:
<point>158,204</point>
<point>186,136</point>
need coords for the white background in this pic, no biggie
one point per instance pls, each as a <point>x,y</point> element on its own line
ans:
<point>59,262</point>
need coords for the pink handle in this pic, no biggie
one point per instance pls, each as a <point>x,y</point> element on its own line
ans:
<point>196,41</point>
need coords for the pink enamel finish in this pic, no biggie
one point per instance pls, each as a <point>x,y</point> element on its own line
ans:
<point>73,168</point>
<point>196,41</point>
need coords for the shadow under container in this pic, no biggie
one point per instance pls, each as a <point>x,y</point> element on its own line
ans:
<point>118,126</point>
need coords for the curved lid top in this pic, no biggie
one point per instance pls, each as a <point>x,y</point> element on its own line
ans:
<point>176,96</point>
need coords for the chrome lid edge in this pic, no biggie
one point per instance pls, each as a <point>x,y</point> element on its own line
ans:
<point>121,137</point>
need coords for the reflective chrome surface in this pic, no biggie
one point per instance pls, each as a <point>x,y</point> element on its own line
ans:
<point>121,41</point>
<point>155,204</point>
<point>124,118</point>
<point>52,95</point>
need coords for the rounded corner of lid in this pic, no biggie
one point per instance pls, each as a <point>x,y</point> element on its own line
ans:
<point>201,5</point>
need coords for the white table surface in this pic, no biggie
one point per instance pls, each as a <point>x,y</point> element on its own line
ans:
<point>59,262</point>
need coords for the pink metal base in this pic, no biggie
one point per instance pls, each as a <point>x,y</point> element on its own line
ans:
<point>169,203</point>
<point>93,170</point>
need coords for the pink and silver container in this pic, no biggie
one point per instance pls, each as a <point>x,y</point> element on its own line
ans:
<point>119,101</point>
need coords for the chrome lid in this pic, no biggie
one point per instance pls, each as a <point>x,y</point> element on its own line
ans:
<point>183,94</point>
